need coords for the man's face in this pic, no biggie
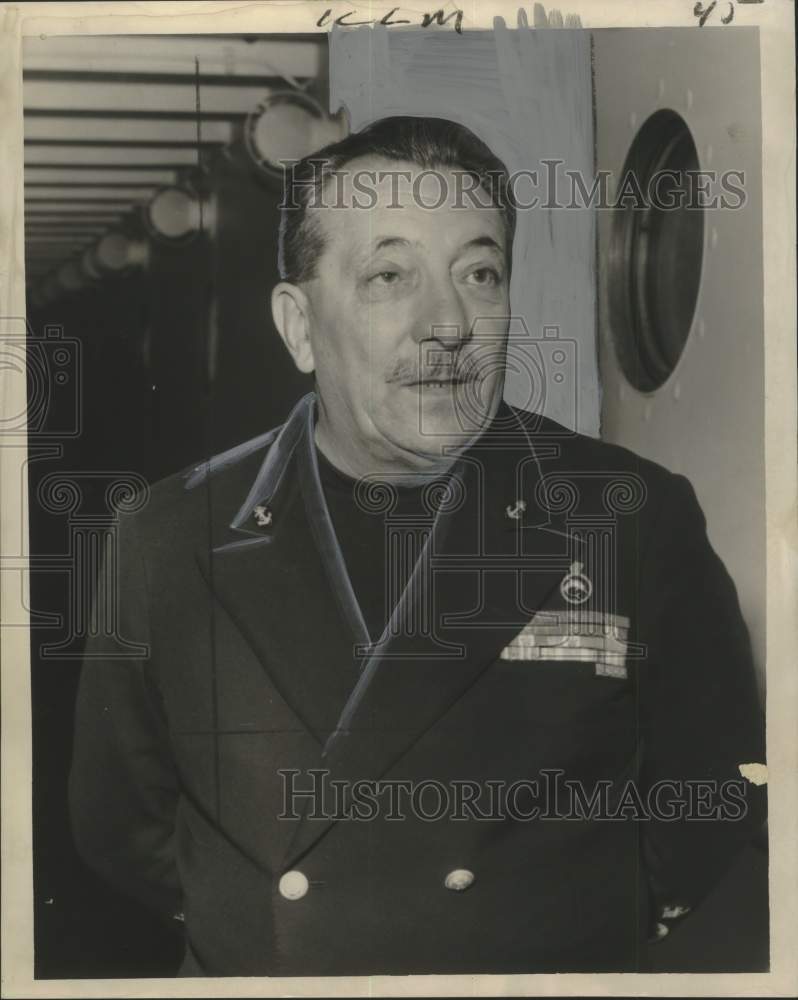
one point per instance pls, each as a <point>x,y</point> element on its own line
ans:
<point>408,317</point>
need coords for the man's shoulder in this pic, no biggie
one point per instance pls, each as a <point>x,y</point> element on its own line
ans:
<point>229,473</point>
<point>577,452</point>
<point>231,459</point>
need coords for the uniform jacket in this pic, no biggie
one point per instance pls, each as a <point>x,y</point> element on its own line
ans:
<point>568,618</point>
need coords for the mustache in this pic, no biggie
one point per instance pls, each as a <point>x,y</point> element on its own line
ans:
<point>461,368</point>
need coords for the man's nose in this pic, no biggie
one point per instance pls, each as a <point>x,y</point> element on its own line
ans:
<point>443,316</point>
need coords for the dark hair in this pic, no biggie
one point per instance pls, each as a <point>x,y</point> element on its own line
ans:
<point>428,142</point>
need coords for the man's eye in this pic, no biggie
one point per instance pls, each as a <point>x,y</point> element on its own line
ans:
<point>385,278</point>
<point>483,276</point>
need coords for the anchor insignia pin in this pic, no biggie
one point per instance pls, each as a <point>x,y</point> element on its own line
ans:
<point>263,516</point>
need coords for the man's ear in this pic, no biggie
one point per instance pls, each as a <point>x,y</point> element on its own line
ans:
<point>291,313</point>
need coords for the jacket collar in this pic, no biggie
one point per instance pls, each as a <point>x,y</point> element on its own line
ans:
<point>508,433</point>
<point>296,431</point>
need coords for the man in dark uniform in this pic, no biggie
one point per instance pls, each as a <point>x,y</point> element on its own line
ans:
<point>428,684</point>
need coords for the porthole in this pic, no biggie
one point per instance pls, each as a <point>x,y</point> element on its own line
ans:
<point>655,251</point>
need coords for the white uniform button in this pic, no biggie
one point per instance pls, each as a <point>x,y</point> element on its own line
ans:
<point>293,885</point>
<point>459,880</point>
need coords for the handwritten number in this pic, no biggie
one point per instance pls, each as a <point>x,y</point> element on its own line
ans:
<point>702,13</point>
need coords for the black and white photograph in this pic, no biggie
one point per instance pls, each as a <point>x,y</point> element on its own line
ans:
<point>398,440</point>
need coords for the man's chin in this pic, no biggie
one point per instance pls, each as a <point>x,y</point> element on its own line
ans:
<point>448,412</point>
<point>422,430</point>
<point>440,438</point>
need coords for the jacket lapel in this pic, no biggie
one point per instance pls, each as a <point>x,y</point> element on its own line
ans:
<point>488,557</point>
<point>273,568</point>
<point>492,557</point>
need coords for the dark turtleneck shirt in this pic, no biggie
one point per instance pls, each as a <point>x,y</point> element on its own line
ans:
<point>362,535</point>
